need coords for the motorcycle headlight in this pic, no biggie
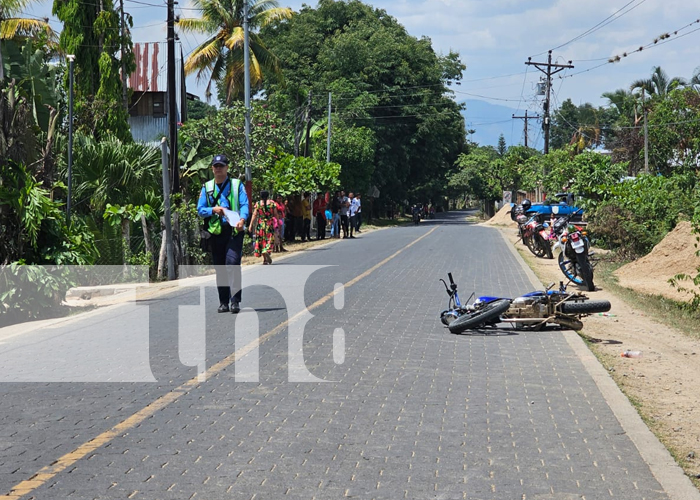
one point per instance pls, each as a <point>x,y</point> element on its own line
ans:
<point>563,239</point>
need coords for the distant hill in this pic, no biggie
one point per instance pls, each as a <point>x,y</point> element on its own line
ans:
<point>491,120</point>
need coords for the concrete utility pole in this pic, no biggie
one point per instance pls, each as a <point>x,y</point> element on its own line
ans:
<point>246,88</point>
<point>526,118</point>
<point>548,69</point>
<point>308,126</point>
<point>166,205</point>
<point>328,145</point>
<point>646,135</point>
<point>172,101</point>
<point>71,58</point>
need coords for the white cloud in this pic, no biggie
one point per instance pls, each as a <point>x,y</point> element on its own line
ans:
<point>495,37</point>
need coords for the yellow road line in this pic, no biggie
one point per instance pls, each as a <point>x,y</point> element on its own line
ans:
<point>47,473</point>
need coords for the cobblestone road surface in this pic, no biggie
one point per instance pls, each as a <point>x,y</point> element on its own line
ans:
<point>412,412</point>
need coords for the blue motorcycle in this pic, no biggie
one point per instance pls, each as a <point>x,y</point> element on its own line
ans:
<point>532,311</point>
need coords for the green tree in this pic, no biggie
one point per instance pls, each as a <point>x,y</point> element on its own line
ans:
<point>224,133</point>
<point>110,171</point>
<point>382,79</point>
<point>659,84</point>
<point>502,147</point>
<point>578,125</point>
<point>197,110</point>
<point>19,28</point>
<point>220,57</point>
<point>91,32</point>
<point>674,132</point>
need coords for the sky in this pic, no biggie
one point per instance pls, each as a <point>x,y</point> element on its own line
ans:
<point>495,38</point>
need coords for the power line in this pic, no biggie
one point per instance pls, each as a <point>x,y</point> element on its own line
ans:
<point>598,26</point>
<point>146,3</point>
<point>658,41</point>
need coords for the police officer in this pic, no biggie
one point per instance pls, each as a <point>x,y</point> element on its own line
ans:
<point>226,241</point>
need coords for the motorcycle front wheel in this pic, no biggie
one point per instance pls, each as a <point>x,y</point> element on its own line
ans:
<point>569,268</point>
<point>489,312</point>
<point>586,271</point>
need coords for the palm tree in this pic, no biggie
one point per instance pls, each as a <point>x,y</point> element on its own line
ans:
<point>695,79</point>
<point>659,84</point>
<point>220,57</point>
<point>12,27</point>
<point>625,103</point>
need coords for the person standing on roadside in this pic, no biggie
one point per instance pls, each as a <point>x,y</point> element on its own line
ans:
<point>344,206</point>
<point>352,207</point>
<point>223,192</point>
<point>335,212</point>
<point>262,226</point>
<point>358,213</point>
<point>279,229</point>
<point>319,211</point>
<point>306,214</point>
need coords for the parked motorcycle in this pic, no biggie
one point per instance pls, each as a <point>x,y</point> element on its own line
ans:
<point>535,236</point>
<point>532,311</point>
<point>574,251</point>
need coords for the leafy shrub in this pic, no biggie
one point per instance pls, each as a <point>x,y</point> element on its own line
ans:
<point>636,214</point>
<point>31,292</point>
<point>627,232</point>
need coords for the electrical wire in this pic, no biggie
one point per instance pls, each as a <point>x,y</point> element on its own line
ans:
<point>661,40</point>
<point>598,26</point>
<point>147,4</point>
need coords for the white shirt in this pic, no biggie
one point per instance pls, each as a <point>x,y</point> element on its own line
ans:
<point>354,207</point>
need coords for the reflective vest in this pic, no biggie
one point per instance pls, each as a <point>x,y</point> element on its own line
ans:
<point>211,189</point>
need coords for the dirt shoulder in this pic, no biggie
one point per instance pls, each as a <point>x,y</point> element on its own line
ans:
<point>662,383</point>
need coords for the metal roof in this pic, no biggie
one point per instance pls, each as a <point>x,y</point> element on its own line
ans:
<point>151,73</point>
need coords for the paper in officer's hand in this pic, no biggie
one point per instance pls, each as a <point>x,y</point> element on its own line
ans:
<point>232,217</point>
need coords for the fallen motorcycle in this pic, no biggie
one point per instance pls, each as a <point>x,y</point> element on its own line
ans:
<point>532,311</point>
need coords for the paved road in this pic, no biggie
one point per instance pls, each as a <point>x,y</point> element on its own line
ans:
<point>412,411</point>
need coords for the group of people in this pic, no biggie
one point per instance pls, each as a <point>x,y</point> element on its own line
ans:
<point>223,204</point>
<point>338,213</point>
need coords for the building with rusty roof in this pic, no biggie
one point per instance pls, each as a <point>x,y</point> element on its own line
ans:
<point>148,108</point>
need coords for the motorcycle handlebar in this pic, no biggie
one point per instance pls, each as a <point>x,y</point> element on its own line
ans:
<point>449,275</point>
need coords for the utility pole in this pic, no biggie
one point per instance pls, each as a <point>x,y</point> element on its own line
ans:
<point>246,100</point>
<point>328,145</point>
<point>172,100</point>
<point>551,69</point>
<point>308,126</point>
<point>646,135</point>
<point>121,44</point>
<point>526,118</point>
<point>166,206</point>
<point>246,87</point>
<point>71,58</point>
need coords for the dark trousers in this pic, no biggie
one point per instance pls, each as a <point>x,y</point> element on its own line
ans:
<point>344,223</point>
<point>306,232</point>
<point>226,251</point>
<point>352,224</point>
<point>298,228</point>
<point>358,219</point>
<point>321,227</point>
<point>288,228</point>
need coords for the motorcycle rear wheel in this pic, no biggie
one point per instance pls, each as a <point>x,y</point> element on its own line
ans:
<point>489,312</point>
<point>586,307</point>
